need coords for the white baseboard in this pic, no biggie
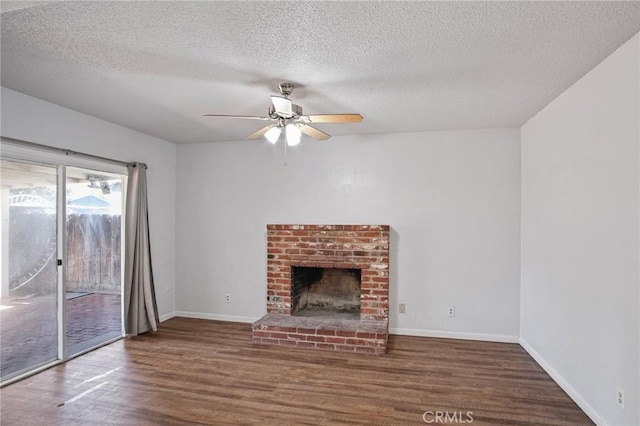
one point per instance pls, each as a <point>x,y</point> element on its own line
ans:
<point>215,317</point>
<point>455,335</point>
<point>168,316</point>
<point>573,394</point>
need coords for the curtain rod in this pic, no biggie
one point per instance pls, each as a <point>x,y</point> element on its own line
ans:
<point>68,151</point>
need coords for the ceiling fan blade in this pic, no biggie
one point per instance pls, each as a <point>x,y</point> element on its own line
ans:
<point>245,117</point>
<point>282,105</point>
<point>259,133</point>
<point>335,118</point>
<point>313,132</point>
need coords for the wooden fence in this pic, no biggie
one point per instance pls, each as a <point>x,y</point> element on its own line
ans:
<point>94,253</point>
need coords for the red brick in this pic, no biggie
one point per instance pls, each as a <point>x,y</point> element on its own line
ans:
<point>356,342</point>
<point>345,348</point>
<point>326,332</point>
<point>316,338</point>
<point>296,336</point>
<point>377,292</point>
<point>326,346</point>
<point>278,335</point>
<point>344,239</point>
<point>326,239</point>
<point>360,239</point>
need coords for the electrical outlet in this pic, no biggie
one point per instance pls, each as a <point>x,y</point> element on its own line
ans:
<point>620,397</point>
<point>227,298</point>
<point>402,308</point>
<point>451,311</point>
<point>168,286</point>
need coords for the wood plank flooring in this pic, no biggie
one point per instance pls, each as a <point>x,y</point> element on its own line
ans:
<point>208,372</point>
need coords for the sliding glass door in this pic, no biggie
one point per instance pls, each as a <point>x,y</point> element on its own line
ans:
<point>29,320</point>
<point>61,263</point>
<point>93,290</point>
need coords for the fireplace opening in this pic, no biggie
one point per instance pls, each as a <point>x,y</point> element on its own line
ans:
<point>325,292</point>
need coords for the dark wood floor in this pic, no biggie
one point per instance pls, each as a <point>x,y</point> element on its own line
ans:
<point>208,372</point>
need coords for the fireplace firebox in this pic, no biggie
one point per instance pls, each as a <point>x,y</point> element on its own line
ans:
<point>325,292</point>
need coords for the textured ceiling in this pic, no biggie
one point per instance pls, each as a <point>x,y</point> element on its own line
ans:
<point>405,66</point>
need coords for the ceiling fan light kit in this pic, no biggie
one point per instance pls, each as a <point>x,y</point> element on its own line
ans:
<point>289,116</point>
<point>273,134</point>
<point>293,134</point>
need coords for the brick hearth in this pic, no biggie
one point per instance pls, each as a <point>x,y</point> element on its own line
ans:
<point>322,333</point>
<point>363,247</point>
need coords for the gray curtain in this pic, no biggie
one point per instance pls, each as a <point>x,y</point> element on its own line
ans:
<point>140,307</point>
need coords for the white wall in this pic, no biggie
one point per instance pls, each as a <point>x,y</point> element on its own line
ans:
<point>452,200</point>
<point>27,118</point>
<point>580,241</point>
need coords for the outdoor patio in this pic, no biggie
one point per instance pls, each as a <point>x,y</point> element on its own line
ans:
<point>28,327</point>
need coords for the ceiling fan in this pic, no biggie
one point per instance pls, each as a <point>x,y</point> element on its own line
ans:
<point>289,116</point>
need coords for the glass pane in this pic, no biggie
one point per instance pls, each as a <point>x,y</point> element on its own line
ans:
<point>93,268</point>
<point>28,295</point>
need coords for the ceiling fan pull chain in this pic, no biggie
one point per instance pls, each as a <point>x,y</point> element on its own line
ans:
<point>285,154</point>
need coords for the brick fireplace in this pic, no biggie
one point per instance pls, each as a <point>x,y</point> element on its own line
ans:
<point>327,288</point>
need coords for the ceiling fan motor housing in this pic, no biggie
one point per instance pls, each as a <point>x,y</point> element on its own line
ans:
<point>295,109</point>
<point>285,89</point>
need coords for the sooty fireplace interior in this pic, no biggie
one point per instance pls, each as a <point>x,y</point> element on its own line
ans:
<point>325,292</point>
